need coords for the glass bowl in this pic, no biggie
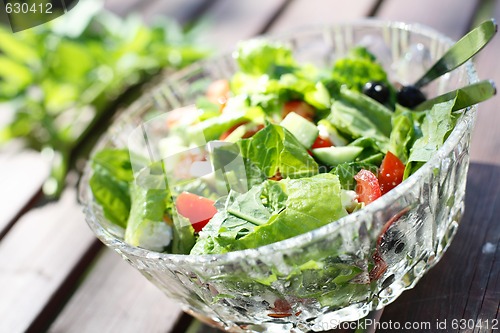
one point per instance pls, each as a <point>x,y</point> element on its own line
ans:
<point>339,272</point>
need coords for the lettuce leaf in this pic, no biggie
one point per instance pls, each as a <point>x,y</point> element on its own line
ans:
<point>353,122</point>
<point>258,56</point>
<point>405,130</point>
<point>146,227</point>
<point>109,183</point>
<point>436,126</point>
<point>291,207</point>
<point>274,149</point>
<point>358,68</point>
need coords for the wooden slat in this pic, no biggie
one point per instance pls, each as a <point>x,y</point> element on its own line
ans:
<point>451,17</point>
<point>114,291</point>
<point>182,11</point>
<point>465,284</point>
<point>36,258</point>
<point>124,7</point>
<point>486,140</point>
<point>302,13</point>
<point>21,177</point>
<point>229,21</point>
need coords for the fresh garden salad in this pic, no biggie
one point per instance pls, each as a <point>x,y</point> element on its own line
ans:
<point>316,144</point>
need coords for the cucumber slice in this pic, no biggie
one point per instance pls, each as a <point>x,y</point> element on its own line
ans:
<point>337,155</point>
<point>305,131</point>
<point>236,134</point>
<point>325,128</point>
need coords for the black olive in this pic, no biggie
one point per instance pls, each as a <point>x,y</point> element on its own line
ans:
<point>377,90</point>
<point>410,96</point>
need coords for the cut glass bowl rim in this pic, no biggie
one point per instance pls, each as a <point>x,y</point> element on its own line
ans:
<point>463,124</point>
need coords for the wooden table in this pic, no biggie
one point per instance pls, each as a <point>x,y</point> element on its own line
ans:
<point>55,276</point>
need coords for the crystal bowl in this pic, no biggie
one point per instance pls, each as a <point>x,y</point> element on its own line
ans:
<point>367,258</point>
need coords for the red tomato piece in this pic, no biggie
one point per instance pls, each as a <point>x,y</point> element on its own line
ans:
<point>321,142</point>
<point>198,210</point>
<point>251,132</point>
<point>175,116</point>
<point>248,134</point>
<point>367,187</point>
<point>218,91</point>
<point>391,172</point>
<point>231,130</point>
<point>299,107</point>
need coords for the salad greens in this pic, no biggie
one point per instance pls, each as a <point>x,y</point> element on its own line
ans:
<point>339,151</point>
<point>110,184</point>
<point>272,212</point>
<point>61,77</point>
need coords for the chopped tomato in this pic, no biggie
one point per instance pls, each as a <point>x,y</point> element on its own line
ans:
<point>321,142</point>
<point>218,91</point>
<point>231,130</point>
<point>199,210</point>
<point>174,117</point>
<point>281,309</point>
<point>185,161</point>
<point>367,187</point>
<point>251,132</point>
<point>391,172</point>
<point>277,176</point>
<point>299,107</point>
<point>248,134</point>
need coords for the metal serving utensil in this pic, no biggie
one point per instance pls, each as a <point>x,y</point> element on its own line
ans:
<point>466,96</point>
<point>460,52</point>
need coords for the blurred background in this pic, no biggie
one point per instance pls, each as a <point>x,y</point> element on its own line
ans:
<point>62,83</point>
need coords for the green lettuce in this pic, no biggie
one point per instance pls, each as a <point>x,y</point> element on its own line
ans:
<point>150,197</point>
<point>275,150</point>
<point>112,172</point>
<point>352,122</point>
<point>405,130</point>
<point>355,70</point>
<point>153,223</point>
<point>259,57</point>
<point>436,126</point>
<point>272,212</point>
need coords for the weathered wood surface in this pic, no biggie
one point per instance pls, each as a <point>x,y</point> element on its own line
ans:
<point>117,298</point>
<point>21,178</point>
<point>38,258</point>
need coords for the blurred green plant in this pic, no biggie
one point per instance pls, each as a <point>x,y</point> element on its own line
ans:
<point>59,78</point>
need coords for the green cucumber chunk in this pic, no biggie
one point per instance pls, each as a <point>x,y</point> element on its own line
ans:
<point>336,155</point>
<point>304,130</point>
